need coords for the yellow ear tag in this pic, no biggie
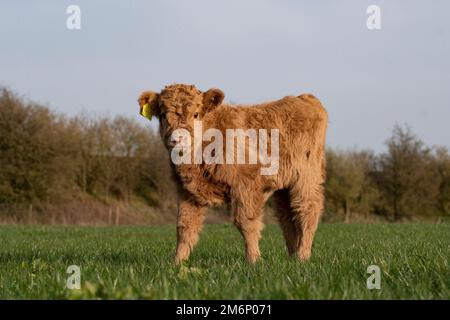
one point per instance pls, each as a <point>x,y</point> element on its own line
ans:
<point>146,111</point>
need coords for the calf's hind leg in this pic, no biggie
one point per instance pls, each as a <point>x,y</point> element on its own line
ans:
<point>285,217</point>
<point>307,204</point>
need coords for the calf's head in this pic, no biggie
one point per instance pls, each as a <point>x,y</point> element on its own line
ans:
<point>177,107</point>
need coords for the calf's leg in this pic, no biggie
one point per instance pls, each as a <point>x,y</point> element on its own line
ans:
<point>307,203</point>
<point>248,220</point>
<point>285,217</point>
<point>189,224</point>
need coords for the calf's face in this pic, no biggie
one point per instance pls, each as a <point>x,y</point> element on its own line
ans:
<point>177,107</point>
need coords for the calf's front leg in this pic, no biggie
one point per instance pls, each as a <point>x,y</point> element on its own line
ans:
<point>189,224</point>
<point>248,220</point>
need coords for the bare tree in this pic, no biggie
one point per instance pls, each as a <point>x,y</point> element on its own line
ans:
<point>406,176</point>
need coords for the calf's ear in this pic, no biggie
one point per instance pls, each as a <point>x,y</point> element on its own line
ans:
<point>149,104</point>
<point>212,99</point>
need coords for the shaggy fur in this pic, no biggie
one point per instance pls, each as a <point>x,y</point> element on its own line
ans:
<point>297,187</point>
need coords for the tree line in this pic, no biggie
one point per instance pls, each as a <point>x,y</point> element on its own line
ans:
<point>79,168</point>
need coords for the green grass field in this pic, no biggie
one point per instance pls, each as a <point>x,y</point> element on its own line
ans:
<point>136,262</point>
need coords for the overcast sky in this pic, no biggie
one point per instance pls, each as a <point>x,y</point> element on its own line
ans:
<point>254,51</point>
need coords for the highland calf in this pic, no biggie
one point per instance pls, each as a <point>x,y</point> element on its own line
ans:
<point>297,184</point>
